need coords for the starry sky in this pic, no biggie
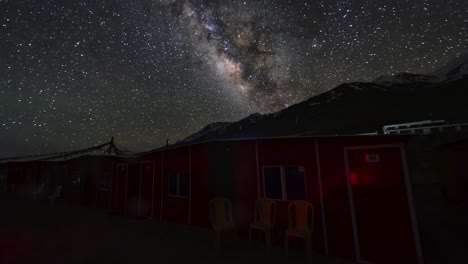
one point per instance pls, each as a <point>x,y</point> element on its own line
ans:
<point>75,73</point>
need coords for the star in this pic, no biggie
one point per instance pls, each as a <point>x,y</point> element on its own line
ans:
<point>74,73</point>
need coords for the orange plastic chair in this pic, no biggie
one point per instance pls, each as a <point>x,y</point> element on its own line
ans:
<point>302,227</point>
<point>221,218</point>
<point>264,219</point>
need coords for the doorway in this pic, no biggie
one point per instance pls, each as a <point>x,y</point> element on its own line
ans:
<point>146,197</point>
<point>121,188</point>
<point>381,205</point>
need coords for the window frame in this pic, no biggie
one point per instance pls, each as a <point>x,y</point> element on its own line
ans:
<point>75,179</point>
<point>177,195</point>
<point>284,193</point>
<point>107,176</point>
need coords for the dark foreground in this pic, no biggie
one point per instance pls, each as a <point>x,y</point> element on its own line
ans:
<point>34,232</point>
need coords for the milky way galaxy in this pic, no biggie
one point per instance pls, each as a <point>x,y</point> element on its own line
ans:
<point>238,44</point>
<point>75,73</point>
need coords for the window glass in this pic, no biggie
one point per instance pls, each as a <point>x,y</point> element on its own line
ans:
<point>173,184</point>
<point>272,176</point>
<point>104,182</point>
<point>183,185</point>
<point>295,183</point>
<point>76,179</point>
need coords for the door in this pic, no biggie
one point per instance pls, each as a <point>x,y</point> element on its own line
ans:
<point>145,204</point>
<point>382,223</point>
<point>133,189</point>
<point>121,188</point>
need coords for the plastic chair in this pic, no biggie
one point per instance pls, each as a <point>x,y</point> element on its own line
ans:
<point>38,191</point>
<point>301,228</point>
<point>264,219</point>
<point>55,195</point>
<point>221,218</point>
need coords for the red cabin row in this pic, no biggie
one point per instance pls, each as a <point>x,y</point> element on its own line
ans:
<point>85,179</point>
<point>359,186</point>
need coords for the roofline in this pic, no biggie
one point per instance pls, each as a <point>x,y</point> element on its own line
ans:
<point>57,155</point>
<point>57,160</point>
<point>262,138</point>
<point>85,155</point>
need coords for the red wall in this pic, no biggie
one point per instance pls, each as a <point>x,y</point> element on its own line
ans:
<point>23,173</point>
<point>158,185</point>
<point>336,202</point>
<point>245,183</point>
<point>73,193</point>
<point>199,190</point>
<point>133,188</point>
<point>294,152</point>
<point>147,171</point>
<point>381,206</point>
<point>88,192</point>
<point>334,185</point>
<point>119,187</point>
<point>103,196</point>
<point>335,235</point>
<point>175,209</point>
<point>150,205</point>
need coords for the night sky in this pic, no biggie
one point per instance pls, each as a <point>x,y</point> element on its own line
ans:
<point>75,73</point>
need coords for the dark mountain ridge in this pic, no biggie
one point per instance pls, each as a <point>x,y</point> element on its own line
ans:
<point>359,107</point>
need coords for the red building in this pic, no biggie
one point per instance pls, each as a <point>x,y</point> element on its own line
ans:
<point>87,180</point>
<point>359,186</point>
<point>22,175</point>
<point>84,174</point>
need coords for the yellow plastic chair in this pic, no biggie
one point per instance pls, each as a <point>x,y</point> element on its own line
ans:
<point>302,227</point>
<point>264,219</point>
<point>221,218</point>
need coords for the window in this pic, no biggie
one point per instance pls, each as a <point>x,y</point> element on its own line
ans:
<point>285,183</point>
<point>104,182</point>
<point>173,179</point>
<point>273,185</point>
<point>75,178</point>
<point>178,184</point>
<point>295,183</point>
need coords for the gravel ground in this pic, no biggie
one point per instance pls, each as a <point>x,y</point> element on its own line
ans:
<point>35,232</point>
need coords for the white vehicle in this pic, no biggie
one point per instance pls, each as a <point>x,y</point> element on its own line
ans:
<point>423,127</point>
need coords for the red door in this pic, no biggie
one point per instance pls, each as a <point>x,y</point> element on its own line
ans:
<point>382,219</point>
<point>121,188</point>
<point>145,204</point>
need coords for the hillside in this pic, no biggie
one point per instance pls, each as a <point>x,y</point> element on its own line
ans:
<point>359,107</point>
